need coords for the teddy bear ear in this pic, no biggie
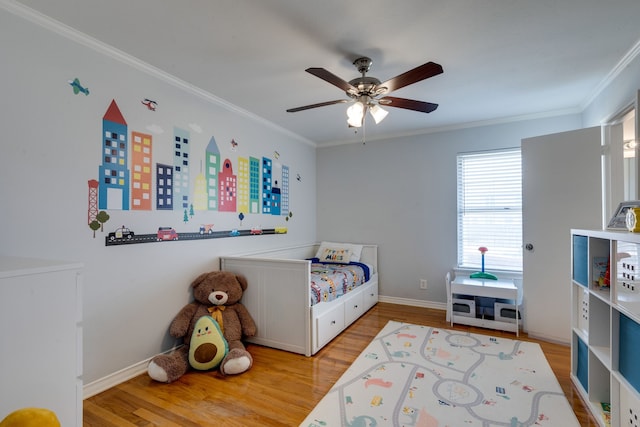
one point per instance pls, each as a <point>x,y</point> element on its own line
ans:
<point>243,281</point>
<point>199,279</point>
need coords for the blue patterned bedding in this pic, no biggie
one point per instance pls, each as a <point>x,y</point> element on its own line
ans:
<point>332,280</point>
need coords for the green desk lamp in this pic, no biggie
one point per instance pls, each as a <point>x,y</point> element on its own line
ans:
<point>482,274</point>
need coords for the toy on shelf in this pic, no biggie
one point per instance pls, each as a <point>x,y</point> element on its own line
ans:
<point>482,274</point>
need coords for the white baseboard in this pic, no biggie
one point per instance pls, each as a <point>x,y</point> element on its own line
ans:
<point>413,302</point>
<point>112,380</point>
<point>546,337</point>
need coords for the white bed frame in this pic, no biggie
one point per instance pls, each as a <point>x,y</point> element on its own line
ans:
<point>279,295</point>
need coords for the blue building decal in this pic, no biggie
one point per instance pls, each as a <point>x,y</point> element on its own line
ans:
<point>114,173</point>
<point>181,175</point>
<point>164,187</point>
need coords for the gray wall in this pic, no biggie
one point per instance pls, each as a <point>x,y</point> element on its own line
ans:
<point>51,147</point>
<point>401,195</point>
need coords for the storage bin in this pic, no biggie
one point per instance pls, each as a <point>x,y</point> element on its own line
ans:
<point>464,307</point>
<point>506,312</point>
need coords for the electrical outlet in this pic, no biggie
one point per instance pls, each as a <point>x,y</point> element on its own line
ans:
<point>423,283</point>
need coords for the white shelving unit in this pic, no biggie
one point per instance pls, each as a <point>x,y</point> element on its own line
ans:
<point>605,344</point>
<point>41,334</point>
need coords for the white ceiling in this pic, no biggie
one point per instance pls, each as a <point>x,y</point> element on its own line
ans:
<point>501,59</point>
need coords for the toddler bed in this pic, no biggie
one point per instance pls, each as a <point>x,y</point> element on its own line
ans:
<point>303,297</point>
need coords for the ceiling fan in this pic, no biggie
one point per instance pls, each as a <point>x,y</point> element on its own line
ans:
<point>368,93</point>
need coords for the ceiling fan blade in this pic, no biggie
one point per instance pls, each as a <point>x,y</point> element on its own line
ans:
<point>408,104</point>
<point>329,77</point>
<point>422,72</point>
<point>320,104</point>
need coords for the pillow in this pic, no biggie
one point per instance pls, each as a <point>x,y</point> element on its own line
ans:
<point>356,250</point>
<point>339,255</point>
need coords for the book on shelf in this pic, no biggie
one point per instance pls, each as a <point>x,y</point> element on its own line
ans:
<point>600,271</point>
<point>606,413</point>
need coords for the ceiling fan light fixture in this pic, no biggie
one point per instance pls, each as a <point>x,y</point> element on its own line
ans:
<point>378,113</point>
<point>368,93</point>
<point>355,114</point>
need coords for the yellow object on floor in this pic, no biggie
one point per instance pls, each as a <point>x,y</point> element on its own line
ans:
<point>31,417</point>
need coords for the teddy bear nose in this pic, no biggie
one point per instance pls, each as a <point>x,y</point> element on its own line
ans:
<point>218,297</point>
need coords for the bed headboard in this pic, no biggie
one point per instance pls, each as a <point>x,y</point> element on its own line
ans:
<point>369,255</point>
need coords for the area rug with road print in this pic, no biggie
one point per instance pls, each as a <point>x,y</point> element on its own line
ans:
<point>412,375</point>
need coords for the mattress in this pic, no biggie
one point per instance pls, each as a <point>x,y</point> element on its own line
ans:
<point>330,281</point>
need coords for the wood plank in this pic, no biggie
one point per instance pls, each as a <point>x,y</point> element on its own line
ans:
<point>281,388</point>
<point>154,418</point>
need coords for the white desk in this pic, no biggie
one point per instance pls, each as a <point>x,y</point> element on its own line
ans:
<point>504,289</point>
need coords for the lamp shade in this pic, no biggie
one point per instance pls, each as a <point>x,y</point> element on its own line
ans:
<point>355,114</point>
<point>378,113</point>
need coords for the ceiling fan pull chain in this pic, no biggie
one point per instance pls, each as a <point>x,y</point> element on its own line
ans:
<point>364,131</point>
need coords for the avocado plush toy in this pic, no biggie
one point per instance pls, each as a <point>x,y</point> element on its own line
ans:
<point>212,328</point>
<point>31,417</point>
<point>207,347</point>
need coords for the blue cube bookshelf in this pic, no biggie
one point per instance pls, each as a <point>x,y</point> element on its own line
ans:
<point>605,304</point>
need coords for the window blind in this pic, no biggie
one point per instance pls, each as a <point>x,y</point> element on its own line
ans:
<point>490,209</point>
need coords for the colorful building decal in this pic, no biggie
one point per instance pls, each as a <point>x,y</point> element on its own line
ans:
<point>212,169</point>
<point>254,185</point>
<point>200,192</point>
<point>92,208</point>
<point>181,176</point>
<point>284,194</point>
<point>242,204</point>
<point>276,194</point>
<point>130,178</point>
<point>266,185</point>
<point>141,180</point>
<point>227,185</point>
<point>164,187</point>
<point>114,175</point>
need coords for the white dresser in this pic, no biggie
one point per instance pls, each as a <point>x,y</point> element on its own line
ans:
<point>41,337</point>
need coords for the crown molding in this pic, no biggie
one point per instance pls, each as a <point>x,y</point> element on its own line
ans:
<point>624,62</point>
<point>72,34</point>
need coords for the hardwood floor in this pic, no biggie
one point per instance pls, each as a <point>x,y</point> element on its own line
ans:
<point>281,388</point>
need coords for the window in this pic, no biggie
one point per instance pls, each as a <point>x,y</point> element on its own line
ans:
<point>490,209</point>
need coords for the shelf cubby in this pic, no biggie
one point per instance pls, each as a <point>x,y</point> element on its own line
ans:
<point>599,330</point>
<point>627,285</point>
<point>600,268</point>
<point>599,383</point>
<point>580,312</point>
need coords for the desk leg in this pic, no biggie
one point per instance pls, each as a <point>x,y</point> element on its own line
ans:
<point>517,317</point>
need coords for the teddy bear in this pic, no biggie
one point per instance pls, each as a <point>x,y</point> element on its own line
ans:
<point>216,296</point>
